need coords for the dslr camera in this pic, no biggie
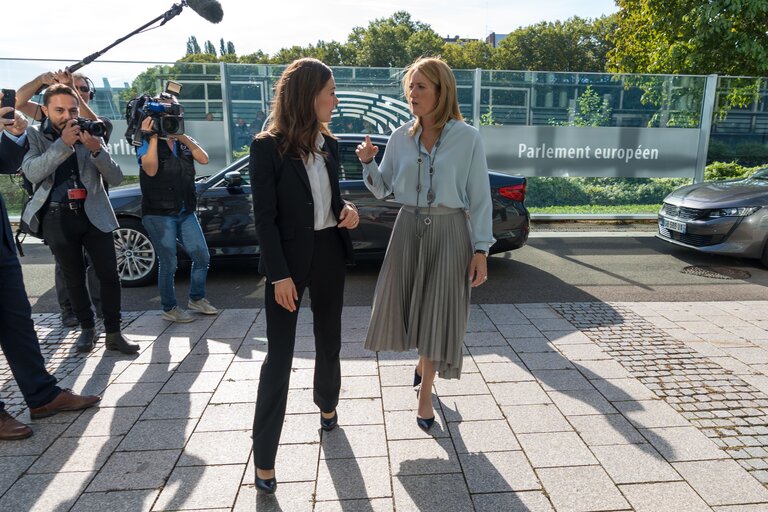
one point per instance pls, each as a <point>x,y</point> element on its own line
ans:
<point>166,113</point>
<point>95,128</point>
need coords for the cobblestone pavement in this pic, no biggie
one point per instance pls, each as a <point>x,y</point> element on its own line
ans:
<point>563,406</point>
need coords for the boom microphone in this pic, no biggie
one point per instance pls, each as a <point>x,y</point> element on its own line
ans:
<point>208,9</point>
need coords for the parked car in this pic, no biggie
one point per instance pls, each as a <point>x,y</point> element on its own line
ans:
<point>720,217</point>
<point>225,211</point>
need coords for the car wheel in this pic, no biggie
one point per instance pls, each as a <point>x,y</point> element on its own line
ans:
<point>136,255</point>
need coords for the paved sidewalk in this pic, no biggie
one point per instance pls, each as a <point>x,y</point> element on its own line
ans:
<point>566,406</point>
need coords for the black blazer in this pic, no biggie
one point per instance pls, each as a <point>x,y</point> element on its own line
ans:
<point>284,210</point>
<point>11,155</point>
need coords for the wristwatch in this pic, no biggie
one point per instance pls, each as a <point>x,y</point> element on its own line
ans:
<point>480,251</point>
<point>94,154</point>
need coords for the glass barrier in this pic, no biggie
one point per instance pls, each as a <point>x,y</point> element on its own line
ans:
<point>225,105</point>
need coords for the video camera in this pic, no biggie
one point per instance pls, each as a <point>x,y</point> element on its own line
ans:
<point>167,115</point>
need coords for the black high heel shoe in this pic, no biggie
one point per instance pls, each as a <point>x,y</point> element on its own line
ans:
<point>266,485</point>
<point>425,423</point>
<point>329,424</point>
<point>416,377</point>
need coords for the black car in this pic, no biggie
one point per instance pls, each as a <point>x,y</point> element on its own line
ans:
<point>226,215</point>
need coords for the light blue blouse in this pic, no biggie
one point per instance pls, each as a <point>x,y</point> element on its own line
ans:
<point>460,177</point>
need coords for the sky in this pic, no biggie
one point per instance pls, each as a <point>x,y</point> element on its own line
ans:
<point>72,30</point>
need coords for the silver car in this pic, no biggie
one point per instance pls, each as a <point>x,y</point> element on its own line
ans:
<point>719,217</point>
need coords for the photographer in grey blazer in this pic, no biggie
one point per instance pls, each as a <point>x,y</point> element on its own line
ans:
<point>68,163</point>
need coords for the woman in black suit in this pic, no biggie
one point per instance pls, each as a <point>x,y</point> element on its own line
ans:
<point>301,223</point>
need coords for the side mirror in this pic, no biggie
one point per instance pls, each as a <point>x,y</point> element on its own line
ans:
<point>233,179</point>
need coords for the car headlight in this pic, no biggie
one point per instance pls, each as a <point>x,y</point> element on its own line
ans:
<point>734,212</point>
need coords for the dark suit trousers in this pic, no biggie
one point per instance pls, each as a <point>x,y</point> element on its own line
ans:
<point>67,233</point>
<point>326,291</point>
<point>18,338</point>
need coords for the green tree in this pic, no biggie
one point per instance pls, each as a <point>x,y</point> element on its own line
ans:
<point>209,48</point>
<point>470,55</point>
<point>573,45</point>
<point>590,110</point>
<point>258,57</point>
<point>394,41</point>
<point>231,48</point>
<point>691,37</point>
<point>222,47</point>
<point>192,46</point>
<point>334,53</point>
<point>286,55</point>
<point>200,57</point>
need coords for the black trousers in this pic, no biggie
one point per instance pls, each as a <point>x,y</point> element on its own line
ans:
<point>18,338</point>
<point>326,291</point>
<point>62,295</point>
<point>67,233</point>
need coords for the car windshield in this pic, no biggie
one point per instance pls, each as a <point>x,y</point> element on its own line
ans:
<point>762,174</point>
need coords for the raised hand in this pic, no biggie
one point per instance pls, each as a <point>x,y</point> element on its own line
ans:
<point>17,125</point>
<point>366,151</point>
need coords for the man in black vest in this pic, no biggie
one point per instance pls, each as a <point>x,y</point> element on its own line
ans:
<point>18,338</point>
<point>169,199</point>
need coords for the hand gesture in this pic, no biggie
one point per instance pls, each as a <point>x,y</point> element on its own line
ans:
<point>71,133</point>
<point>349,217</point>
<point>17,125</point>
<point>286,294</point>
<point>366,151</point>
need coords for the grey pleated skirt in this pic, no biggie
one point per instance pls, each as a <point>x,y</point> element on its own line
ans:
<point>423,290</point>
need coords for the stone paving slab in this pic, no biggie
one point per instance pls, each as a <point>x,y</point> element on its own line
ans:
<point>562,406</point>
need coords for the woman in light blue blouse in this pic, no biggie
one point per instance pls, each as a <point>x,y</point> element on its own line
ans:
<point>435,166</point>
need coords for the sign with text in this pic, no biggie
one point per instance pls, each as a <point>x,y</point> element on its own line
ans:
<point>592,151</point>
<point>209,134</point>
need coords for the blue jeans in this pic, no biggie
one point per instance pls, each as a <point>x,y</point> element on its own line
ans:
<point>164,230</point>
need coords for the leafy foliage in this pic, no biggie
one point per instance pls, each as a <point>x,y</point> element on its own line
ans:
<point>572,45</point>
<point>691,37</point>
<point>719,171</point>
<point>394,41</point>
<point>590,110</point>
<point>555,191</point>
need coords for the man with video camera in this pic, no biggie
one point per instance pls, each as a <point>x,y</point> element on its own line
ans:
<point>167,159</point>
<point>69,163</point>
<point>85,89</point>
<point>18,338</point>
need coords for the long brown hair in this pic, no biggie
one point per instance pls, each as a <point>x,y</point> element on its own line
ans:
<point>439,73</point>
<point>293,121</point>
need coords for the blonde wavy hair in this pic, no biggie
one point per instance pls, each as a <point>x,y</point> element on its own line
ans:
<point>439,73</point>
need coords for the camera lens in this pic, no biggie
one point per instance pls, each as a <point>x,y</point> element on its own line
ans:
<point>98,129</point>
<point>171,125</point>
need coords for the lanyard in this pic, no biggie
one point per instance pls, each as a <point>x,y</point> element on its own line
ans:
<point>430,191</point>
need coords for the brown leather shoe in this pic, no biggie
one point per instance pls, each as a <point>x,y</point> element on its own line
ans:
<point>11,428</point>
<point>64,401</point>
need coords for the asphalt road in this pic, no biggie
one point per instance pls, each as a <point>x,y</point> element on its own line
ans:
<point>553,267</point>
